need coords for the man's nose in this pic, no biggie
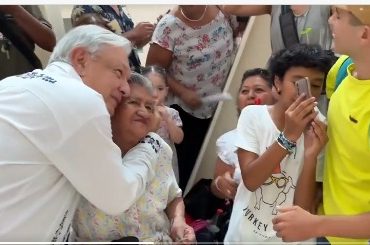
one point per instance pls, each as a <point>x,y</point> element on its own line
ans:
<point>125,88</point>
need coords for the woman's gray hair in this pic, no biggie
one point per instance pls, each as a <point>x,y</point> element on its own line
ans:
<point>91,37</point>
<point>140,80</point>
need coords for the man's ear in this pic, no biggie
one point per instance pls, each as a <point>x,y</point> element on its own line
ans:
<point>366,34</point>
<point>79,58</point>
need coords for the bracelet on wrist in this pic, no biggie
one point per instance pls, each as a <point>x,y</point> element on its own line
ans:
<point>285,143</point>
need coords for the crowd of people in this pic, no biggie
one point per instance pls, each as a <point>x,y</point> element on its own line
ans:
<point>98,147</point>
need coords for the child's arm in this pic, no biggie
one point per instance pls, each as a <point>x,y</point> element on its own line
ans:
<point>256,169</point>
<point>315,140</point>
<point>223,185</point>
<point>296,224</point>
<point>175,132</point>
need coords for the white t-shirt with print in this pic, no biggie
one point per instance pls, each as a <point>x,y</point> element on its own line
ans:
<point>56,143</point>
<point>251,218</point>
<point>226,151</point>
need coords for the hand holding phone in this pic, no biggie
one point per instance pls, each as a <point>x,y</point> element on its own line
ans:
<point>303,86</point>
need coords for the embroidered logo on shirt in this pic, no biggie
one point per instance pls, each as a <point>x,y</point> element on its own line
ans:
<point>33,74</point>
<point>153,142</point>
<point>352,119</point>
<point>58,232</point>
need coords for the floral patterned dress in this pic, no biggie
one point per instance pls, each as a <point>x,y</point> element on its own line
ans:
<point>146,218</point>
<point>202,57</point>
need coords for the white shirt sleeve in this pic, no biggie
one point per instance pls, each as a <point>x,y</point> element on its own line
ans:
<point>246,130</point>
<point>92,163</point>
<point>226,149</point>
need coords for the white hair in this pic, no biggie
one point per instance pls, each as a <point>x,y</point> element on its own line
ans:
<point>142,81</point>
<point>91,37</point>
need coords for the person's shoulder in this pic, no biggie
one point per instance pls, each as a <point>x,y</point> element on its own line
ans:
<point>154,140</point>
<point>167,20</point>
<point>172,111</point>
<point>83,98</point>
<point>158,144</point>
<point>254,109</point>
<point>226,142</point>
<point>254,116</point>
<point>226,137</point>
<point>66,93</point>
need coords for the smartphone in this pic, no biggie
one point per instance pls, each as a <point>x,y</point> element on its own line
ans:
<point>303,86</point>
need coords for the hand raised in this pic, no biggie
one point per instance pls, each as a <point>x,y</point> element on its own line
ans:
<point>298,115</point>
<point>315,138</point>
<point>227,185</point>
<point>143,32</point>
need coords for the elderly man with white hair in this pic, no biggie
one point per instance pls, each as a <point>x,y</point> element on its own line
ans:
<point>56,141</point>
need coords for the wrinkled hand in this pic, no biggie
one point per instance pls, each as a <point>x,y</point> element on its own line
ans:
<point>295,224</point>
<point>315,138</point>
<point>143,32</point>
<point>181,232</point>
<point>191,99</point>
<point>227,185</point>
<point>298,115</point>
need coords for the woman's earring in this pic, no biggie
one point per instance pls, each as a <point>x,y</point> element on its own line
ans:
<point>278,90</point>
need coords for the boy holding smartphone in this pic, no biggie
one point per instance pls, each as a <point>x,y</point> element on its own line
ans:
<point>278,147</point>
<point>347,168</point>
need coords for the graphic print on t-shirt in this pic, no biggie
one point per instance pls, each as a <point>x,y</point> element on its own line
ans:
<point>281,183</point>
<point>262,205</point>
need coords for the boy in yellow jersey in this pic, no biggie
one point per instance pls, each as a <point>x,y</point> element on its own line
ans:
<point>347,164</point>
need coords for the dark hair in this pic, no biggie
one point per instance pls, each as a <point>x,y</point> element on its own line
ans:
<point>301,55</point>
<point>263,73</point>
<point>155,69</point>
